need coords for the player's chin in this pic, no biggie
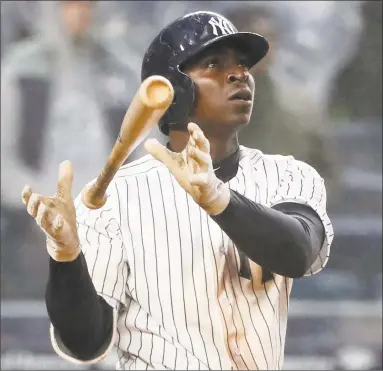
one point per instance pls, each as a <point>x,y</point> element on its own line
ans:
<point>240,111</point>
<point>239,118</point>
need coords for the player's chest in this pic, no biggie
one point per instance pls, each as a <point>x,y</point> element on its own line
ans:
<point>160,213</point>
<point>165,229</point>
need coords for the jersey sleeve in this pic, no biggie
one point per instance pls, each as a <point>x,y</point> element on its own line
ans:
<point>104,251</point>
<point>301,183</point>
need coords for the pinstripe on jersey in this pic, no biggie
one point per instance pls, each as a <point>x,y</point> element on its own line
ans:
<point>172,274</point>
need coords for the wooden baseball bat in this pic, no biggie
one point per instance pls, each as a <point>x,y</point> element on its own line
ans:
<point>152,99</point>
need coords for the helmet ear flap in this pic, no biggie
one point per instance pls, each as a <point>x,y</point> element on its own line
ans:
<point>182,107</point>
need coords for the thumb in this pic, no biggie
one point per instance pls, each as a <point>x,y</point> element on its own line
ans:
<point>170,160</point>
<point>161,153</point>
<point>64,185</point>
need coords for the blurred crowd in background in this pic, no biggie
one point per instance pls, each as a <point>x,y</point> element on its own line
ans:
<point>69,70</point>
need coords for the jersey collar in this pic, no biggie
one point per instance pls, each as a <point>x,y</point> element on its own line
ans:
<point>227,168</point>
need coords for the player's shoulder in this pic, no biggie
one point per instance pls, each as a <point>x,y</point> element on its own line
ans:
<point>256,157</point>
<point>284,162</point>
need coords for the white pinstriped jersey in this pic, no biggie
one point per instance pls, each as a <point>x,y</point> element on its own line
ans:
<point>172,274</point>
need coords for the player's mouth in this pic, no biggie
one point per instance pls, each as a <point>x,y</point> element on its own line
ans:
<point>242,100</point>
<point>242,95</point>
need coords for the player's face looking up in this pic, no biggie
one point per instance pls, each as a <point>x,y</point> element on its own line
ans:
<point>225,88</point>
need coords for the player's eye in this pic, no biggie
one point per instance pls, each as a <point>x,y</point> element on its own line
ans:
<point>212,63</point>
<point>244,63</point>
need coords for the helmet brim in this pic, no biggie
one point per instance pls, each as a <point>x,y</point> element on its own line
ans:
<point>253,45</point>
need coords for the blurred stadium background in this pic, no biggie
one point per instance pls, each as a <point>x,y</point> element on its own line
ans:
<point>319,97</point>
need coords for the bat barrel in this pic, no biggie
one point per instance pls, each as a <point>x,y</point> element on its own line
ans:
<point>149,104</point>
<point>156,92</point>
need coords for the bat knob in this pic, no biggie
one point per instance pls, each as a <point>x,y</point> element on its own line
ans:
<point>91,199</point>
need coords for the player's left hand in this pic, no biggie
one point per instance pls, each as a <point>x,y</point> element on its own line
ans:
<point>193,169</point>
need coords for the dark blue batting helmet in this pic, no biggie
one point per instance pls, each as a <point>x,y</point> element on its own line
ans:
<point>184,38</point>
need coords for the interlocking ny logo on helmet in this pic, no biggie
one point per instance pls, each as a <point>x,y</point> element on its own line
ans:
<point>183,39</point>
<point>225,27</point>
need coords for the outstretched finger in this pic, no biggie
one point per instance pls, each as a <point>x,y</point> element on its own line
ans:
<point>64,185</point>
<point>161,153</point>
<point>33,204</point>
<point>199,137</point>
<point>201,158</point>
<point>42,216</point>
<point>172,160</point>
<point>26,194</point>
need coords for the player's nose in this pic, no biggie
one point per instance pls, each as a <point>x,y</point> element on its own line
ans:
<point>237,73</point>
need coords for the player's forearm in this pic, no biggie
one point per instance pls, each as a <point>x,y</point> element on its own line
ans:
<point>272,239</point>
<point>81,317</point>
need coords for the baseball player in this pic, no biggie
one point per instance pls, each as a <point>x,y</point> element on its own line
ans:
<point>190,263</point>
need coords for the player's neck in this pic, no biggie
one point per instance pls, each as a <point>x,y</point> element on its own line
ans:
<point>220,148</point>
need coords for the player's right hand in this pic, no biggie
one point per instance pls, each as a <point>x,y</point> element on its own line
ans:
<point>193,169</point>
<point>56,216</point>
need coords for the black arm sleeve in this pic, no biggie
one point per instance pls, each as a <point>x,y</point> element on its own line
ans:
<point>286,240</point>
<point>82,318</point>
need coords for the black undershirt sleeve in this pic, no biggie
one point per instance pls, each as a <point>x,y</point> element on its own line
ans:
<point>81,317</point>
<point>285,239</point>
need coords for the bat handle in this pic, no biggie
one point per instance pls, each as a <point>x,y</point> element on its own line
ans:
<point>93,196</point>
